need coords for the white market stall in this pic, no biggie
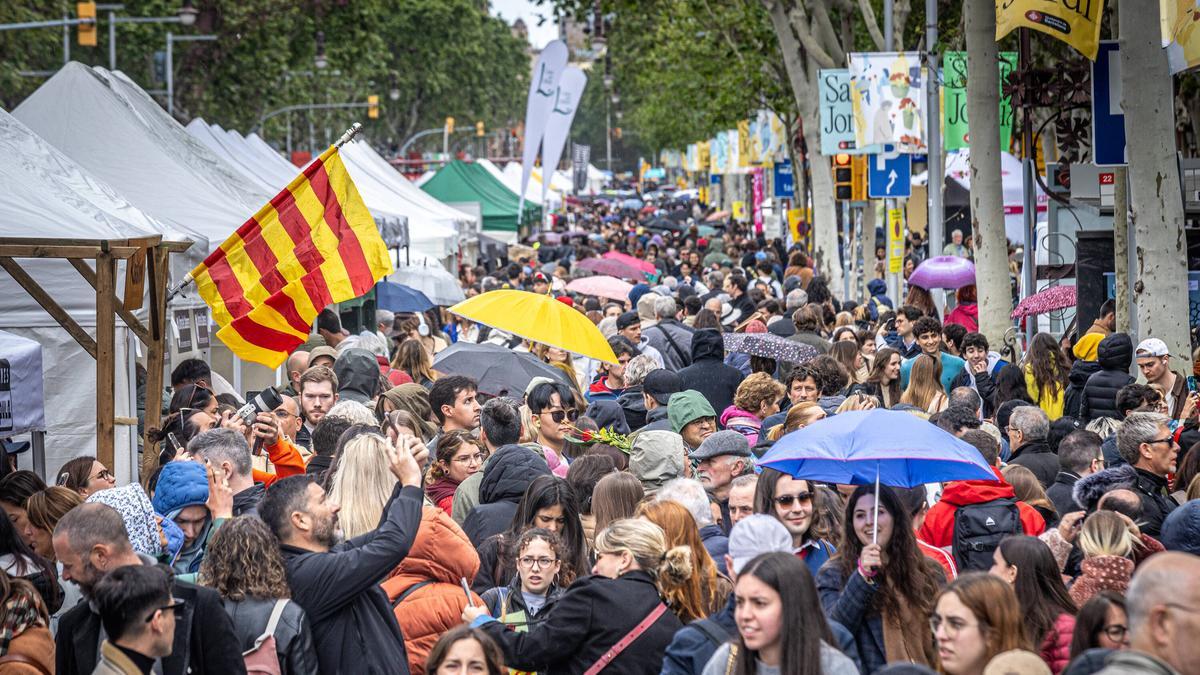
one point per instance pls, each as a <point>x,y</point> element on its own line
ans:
<point>22,402</point>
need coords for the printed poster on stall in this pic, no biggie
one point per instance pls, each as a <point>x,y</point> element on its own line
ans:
<point>887,94</point>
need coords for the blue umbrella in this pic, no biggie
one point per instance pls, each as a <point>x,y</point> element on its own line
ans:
<point>876,446</point>
<point>396,297</point>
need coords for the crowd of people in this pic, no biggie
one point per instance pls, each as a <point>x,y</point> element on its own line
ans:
<point>390,518</point>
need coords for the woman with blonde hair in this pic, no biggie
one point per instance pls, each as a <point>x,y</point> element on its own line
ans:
<point>1107,542</point>
<point>756,399</point>
<point>633,568</point>
<point>799,416</point>
<point>362,484</point>
<point>925,385</point>
<point>559,358</point>
<point>414,359</point>
<point>705,591</point>
<point>1029,490</point>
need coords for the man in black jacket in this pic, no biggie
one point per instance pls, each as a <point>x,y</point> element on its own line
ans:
<point>90,541</point>
<point>1079,455</point>
<point>709,374</point>
<point>1146,442</point>
<point>337,582</point>
<point>1027,429</point>
<point>1114,354</point>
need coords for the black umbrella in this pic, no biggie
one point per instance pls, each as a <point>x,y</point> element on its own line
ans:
<point>666,224</point>
<point>499,370</point>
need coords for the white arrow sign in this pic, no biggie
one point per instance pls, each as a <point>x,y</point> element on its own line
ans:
<point>891,181</point>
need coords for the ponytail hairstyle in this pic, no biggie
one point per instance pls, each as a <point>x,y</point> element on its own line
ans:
<point>646,542</point>
<point>1107,533</point>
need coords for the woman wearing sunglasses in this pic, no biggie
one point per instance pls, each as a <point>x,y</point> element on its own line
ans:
<point>552,405</point>
<point>85,475</point>
<point>792,502</point>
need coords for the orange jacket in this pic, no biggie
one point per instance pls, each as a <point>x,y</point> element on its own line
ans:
<point>287,460</point>
<point>441,554</point>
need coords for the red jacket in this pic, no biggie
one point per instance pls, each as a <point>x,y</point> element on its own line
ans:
<point>1056,648</point>
<point>966,316</point>
<point>938,529</point>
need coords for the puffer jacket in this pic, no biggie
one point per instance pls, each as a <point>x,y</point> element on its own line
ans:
<point>1114,354</point>
<point>1101,573</point>
<point>1076,380</point>
<point>744,422</point>
<point>708,373</point>
<point>505,476</point>
<point>1056,648</point>
<point>440,556</point>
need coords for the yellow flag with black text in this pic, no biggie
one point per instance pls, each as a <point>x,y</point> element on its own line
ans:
<point>1075,22</point>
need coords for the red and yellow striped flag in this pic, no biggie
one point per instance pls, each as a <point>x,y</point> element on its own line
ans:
<point>314,244</point>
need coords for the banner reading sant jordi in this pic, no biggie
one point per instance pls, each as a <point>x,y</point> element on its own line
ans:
<point>887,93</point>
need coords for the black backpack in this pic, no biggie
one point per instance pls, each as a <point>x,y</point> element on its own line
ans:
<point>978,529</point>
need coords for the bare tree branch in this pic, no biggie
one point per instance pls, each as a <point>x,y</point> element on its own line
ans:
<point>868,14</point>
<point>827,34</point>
<point>789,46</point>
<point>798,18</point>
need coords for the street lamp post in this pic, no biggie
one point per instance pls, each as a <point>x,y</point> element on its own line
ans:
<point>171,40</point>
<point>186,16</point>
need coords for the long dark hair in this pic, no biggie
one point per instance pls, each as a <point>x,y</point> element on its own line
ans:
<point>1049,365</point>
<point>1039,585</point>
<point>26,563</point>
<point>764,502</point>
<point>545,492</point>
<point>905,579</point>
<point>1010,385</point>
<point>801,629</point>
<point>1091,619</point>
<point>880,363</point>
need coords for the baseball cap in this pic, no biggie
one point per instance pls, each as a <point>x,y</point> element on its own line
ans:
<point>322,351</point>
<point>660,384</point>
<point>755,535</point>
<point>628,319</point>
<point>540,277</point>
<point>1152,347</point>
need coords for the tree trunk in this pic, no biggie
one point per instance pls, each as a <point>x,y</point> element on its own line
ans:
<point>987,203</point>
<point>1161,289</point>
<point>803,80</point>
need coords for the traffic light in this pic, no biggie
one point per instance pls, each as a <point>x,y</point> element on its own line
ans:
<point>86,31</point>
<point>449,125</point>
<point>843,178</point>
<point>858,178</point>
<point>373,107</point>
<point>479,129</point>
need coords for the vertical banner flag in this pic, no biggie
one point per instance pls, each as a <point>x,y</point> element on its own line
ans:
<point>895,239</point>
<point>542,87</point>
<point>581,155</point>
<point>733,147</point>
<point>954,104</point>
<point>559,114</point>
<point>756,198</point>
<point>887,93</point>
<point>743,144</point>
<point>1180,37</point>
<point>1075,22</point>
<point>720,154</point>
<point>702,156</point>
<point>837,115</point>
<point>314,244</point>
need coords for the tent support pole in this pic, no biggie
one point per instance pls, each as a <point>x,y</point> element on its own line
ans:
<point>52,308</point>
<point>106,325</point>
<point>130,320</point>
<point>155,355</point>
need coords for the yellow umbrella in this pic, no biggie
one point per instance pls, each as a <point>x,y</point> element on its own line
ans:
<point>539,318</point>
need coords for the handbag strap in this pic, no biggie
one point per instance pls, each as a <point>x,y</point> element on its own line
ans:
<point>272,623</point>
<point>615,650</point>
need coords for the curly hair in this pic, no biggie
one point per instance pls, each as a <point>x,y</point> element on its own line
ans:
<point>243,561</point>
<point>756,390</point>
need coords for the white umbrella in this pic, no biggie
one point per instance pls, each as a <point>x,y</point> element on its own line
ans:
<point>441,287</point>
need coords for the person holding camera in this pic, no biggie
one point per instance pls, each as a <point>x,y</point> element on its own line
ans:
<point>228,450</point>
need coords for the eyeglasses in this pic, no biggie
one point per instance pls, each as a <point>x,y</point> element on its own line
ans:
<point>1115,632</point>
<point>954,625</point>
<point>788,500</point>
<point>540,563</point>
<point>1168,439</point>
<point>467,459</point>
<point>175,606</point>
<point>559,415</point>
<point>103,474</point>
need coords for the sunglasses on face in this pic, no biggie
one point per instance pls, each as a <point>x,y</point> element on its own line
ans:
<point>788,500</point>
<point>559,415</point>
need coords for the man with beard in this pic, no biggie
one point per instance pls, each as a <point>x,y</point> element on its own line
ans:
<point>90,542</point>
<point>337,582</point>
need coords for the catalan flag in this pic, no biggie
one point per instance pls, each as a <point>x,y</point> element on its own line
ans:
<point>314,244</point>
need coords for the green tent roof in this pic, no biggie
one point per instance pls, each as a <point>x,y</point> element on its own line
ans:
<point>461,181</point>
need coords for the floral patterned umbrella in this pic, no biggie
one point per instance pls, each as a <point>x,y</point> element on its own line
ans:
<point>1048,300</point>
<point>771,346</point>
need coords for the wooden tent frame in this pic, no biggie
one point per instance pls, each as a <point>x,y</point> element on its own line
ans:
<point>146,257</point>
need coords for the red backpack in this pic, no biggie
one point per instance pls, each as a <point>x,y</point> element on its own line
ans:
<point>262,659</point>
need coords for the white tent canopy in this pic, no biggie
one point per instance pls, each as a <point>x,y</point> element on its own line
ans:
<point>512,171</point>
<point>114,129</point>
<point>958,169</point>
